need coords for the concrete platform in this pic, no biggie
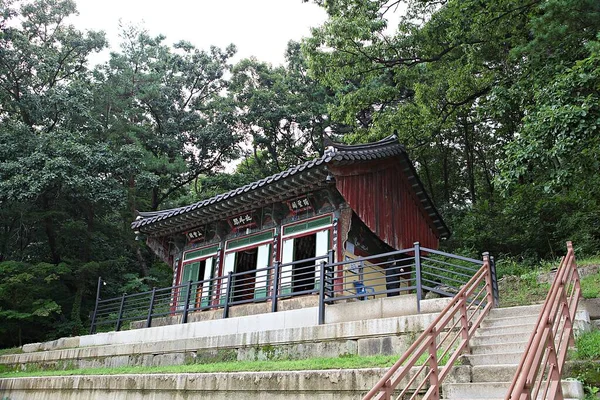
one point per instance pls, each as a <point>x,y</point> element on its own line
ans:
<point>292,334</point>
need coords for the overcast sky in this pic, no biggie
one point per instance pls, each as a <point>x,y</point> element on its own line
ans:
<point>258,28</point>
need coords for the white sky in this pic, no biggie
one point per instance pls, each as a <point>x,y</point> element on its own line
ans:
<point>259,28</point>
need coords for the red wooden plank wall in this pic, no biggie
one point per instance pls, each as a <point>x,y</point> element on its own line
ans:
<point>381,196</point>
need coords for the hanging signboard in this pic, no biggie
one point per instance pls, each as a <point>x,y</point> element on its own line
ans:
<point>299,204</point>
<point>194,235</point>
<point>245,220</point>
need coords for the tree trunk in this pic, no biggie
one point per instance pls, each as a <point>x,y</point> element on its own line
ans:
<point>142,262</point>
<point>469,159</point>
<point>76,311</point>
<point>50,232</point>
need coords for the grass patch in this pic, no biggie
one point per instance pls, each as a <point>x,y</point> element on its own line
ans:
<point>588,346</point>
<point>519,285</point>
<point>590,286</point>
<point>594,260</point>
<point>343,362</point>
<point>585,364</point>
<point>522,290</point>
<point>12,350</point>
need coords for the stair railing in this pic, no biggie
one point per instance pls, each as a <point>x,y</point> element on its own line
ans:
<point>539,372</point>
<point>429,360</point>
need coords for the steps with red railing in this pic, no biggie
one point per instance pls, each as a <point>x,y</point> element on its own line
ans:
<point>495,353</point>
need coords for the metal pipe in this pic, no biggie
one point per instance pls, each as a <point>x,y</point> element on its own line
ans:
<point>95,314</point>
<point>120,312</point>
<point>418,275</point>
<point>151,308</point>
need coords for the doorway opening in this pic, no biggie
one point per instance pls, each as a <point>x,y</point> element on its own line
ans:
<point>245,266</point>
<point>303,274</point>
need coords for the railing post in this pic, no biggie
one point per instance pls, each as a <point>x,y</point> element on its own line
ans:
<point>151,308</point>
<point>275,292</point>
<point>554,376</point>
<point>186,306</point>
<point>95,314</point>
<point>228,294</point>
<point>464,321</point>
<point>322,294</point>
<point>488,278</point>
<point>418,274</point>
<point>330,256</point>
<point>495,293</point>
<point>433,366</point>
<point>387,389</point>
<point>120,312</point>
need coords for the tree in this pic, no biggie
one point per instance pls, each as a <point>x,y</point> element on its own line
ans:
<point>461,82</point>
<point>168,103</point>
<point>44,114</point>
<point>282,110</point>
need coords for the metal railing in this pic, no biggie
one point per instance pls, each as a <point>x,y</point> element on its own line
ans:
<point>223,292</point>
<point>539,372</point>
<point>428,361</point>
<point>415,270</point>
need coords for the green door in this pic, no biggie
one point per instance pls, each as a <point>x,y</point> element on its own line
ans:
<point>190,273</point>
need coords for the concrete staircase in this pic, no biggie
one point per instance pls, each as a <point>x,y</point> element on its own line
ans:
<point>496,351</point>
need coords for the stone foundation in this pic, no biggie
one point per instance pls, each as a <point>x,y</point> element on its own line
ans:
<point>303,385</point>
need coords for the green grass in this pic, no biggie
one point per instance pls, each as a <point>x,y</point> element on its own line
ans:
<point>588,346</point>
<point>344,362</point>
<point>12,350</point>
<point>594,260</point>
<point>590,286</point>
<point>522,288</point>
<point>585,364</point>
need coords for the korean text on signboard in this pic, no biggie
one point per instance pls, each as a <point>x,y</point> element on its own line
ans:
<point>242,221</point>
<point>299,204</point>
<point>195,235</point>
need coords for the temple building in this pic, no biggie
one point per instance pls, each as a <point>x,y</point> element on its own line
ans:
<point>354,201</point>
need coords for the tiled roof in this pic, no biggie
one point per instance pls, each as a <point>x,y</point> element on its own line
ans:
<point>310,174</point>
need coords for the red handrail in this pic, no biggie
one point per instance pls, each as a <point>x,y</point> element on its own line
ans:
<point>472,302</point>
<point>541,366</point>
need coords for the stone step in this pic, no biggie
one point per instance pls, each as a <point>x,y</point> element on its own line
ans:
<point>495,390</point>
<point>506,347</point>
<point>493,373</point>
<point>504,321</point>
<point>493,358</point>
<point>482,340</point>
<point>520,327</point>
<point>515,311</point>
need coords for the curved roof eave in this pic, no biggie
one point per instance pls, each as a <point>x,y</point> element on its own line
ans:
<point>310,174</point>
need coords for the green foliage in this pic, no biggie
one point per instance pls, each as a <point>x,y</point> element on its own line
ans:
<point>81,150</point>
<point>282,111</point>
<point>496,101</point>
<point>588,345</point>
<point>26,298</point>
<point>13,350</point>
<point>590,286</point>
<point>522,290</point>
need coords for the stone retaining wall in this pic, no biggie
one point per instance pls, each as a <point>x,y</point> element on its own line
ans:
<point>302,385</point>
<point>242,338</point>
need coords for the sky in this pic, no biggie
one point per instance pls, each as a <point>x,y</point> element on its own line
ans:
<point>259,28</point>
